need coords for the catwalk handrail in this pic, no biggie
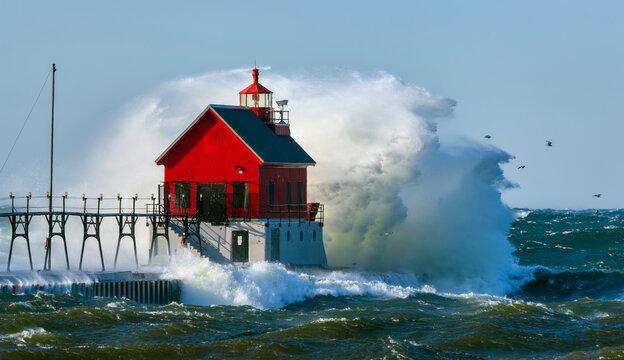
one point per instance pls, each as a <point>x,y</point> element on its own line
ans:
<point>72,205</point>
<point>140,207</point>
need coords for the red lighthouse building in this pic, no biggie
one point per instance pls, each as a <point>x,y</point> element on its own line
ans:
<point>239,169</point>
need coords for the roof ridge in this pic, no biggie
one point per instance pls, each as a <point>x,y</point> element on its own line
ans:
<point>269,147</point>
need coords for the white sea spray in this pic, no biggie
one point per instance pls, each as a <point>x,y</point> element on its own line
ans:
<point>395,199</point>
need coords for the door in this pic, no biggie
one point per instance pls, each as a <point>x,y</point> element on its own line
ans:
<point>275,244</point>
<point>240,246</point>
<point>213,199</point>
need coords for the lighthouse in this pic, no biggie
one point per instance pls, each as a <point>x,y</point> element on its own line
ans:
<point>257,98</point>
<point>238,169</point>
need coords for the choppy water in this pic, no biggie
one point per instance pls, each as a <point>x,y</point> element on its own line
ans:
<point>568,306</point>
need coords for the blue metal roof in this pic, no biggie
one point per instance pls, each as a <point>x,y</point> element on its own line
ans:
<point>271,148</point>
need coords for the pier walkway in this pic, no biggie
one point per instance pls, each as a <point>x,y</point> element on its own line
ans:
<point>142,287</point>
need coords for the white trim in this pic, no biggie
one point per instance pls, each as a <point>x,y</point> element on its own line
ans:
<point>183,133</point>
<point>289,165</point>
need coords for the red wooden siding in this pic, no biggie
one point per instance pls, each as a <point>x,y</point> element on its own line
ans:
<point>210,153</point>
<point>281,176</point>
<point>199,159</point>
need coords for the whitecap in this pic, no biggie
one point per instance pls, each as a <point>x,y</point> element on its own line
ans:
<point>324,320</point>
<point>521,213</point>
<point>23,335</point>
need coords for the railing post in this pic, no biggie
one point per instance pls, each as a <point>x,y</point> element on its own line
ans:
<point>134,220</point>
<point>198,232</point>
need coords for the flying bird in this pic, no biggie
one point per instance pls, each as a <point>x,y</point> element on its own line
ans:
<point>521,167</point>
<point>548,143</point>
<point>488,136</point>
<point>597,195</point>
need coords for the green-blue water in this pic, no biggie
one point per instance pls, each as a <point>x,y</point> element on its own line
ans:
<point>569,306</point>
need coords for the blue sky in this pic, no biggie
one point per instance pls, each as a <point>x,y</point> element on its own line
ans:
<point>522,72</point>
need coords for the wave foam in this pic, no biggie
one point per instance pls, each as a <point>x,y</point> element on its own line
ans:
<point>50,282</point>
<point>265,285</point>
<point>26,334</point>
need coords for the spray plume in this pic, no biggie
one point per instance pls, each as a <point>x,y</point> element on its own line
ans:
<point>395,199</point>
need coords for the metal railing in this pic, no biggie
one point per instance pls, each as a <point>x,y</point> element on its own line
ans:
<point>219,207</point>
<point>309,212</point>
<point>73,204</point>
<point>149,206</point>
<point>280,117</point>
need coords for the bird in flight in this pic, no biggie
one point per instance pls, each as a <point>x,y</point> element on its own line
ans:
<point>597,195</point>
<point>521,167</point>
<point>548,143</point>
<point>488,136</point>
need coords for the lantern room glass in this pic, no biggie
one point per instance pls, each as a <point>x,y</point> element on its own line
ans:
<point>263,100</point>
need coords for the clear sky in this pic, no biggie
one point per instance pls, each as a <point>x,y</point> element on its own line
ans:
<point>522,72</point>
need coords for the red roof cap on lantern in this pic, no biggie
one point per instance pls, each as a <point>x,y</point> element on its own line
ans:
<point>256,87</point>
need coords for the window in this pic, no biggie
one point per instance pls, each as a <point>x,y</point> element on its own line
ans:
<point>182,195</point>
<point>289,194</point>
<point>314,235</point>
<point>213,202</point>
<point>288,235</point>
<point>299,193</point>
<point>266,100</point>
<point>240,196</point>
<point>210,141</point>
<point>300,235</point>
<point>271,193</point>
<point>263,100</point>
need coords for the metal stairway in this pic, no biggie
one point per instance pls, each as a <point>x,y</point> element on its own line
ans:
<point>198,247</point>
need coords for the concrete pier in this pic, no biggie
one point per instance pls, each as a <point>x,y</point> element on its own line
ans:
<point>142,287</point>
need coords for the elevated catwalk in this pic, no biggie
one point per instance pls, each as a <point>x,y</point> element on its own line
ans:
<point>91,213</point>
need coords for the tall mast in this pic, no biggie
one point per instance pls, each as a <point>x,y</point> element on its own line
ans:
<point>52,136</point>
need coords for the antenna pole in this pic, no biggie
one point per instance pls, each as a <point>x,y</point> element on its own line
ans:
<point>52,137</point>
